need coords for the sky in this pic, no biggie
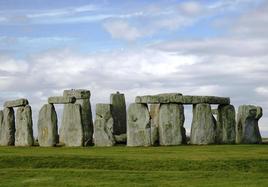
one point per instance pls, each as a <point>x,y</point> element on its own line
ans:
<point>206,47</point>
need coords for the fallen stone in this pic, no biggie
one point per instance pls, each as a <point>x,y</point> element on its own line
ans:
<point>154,114</point>
<point>121,139</point>
<point>171,119</point>
<point>24,127</point>
<point>103,126</point>
<point>71,130</point>
<point>203,130</point>
<point>83,99</point>
<point>47,126</point>
<point>138,125</point>
<point>181,99</point>
<point>61,100</point>
<point>119,113</point>
<point>226,124</point>
<point>7,127</point>
<point>247,124</point>
<point>16,103</point>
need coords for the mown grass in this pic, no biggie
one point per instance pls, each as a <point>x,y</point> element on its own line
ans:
<point>214,165</point>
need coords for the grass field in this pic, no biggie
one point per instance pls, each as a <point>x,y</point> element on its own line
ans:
<point>214,165</point>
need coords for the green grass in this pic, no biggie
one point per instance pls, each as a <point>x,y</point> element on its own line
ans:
<point>214,165</point>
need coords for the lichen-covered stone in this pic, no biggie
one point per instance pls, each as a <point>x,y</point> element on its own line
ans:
<point>138,125</point>
<point>226,124</point>
<point>103,126</point>
<point>7,127</point>
<point>61,100</point>
<point>83,98</point>
<point>47,126</point>
<point>154,114</point>
<point>203,130</point>
<point>119,113</point>
<point>247,129</point>
<point>24,127</point>
<point>71,130</point>
<point>16,103</point>
<point>171,119</point>
<point>159,98</point>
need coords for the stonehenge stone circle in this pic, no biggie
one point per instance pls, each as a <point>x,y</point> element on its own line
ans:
<point>83,99</point>
<point>61,100</point>
<point>171,119</point>
<point>247,129</point>
<point>7,127</point>
<point>72,131</point>
<point>154,114</point>
<point>138,125</point>
<point>24,127</point>
<point>103,126</point>
<point>47,126</point>
<point>226,124</point>
<point>118,103</point>
<point>16,103</point>
<point>203,130</point>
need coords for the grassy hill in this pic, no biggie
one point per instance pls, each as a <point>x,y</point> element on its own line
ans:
<point>214,165</point>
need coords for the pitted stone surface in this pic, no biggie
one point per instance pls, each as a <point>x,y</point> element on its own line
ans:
<point>203,130</point>
<point>61,100</point>
<point>171,119</point>
<point>154,114</point>
<point>24,127</point>
<point>83,98</point>
<point>226,124</point>
<point>138,125</point>
<point>247,124</point>
<point>7,127</point>
<point>71,130</point>
<point>119,113</point>
<point>159,98</point>
<point>103,126</point>
<point>16,103</point>
<point>47,126</point>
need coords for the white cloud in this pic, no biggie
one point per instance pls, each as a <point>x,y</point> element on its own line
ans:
<point>190,7</point>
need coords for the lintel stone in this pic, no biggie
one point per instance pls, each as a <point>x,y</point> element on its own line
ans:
<point>16,103</point>
<point>78,94</point>
<point>61,100</point>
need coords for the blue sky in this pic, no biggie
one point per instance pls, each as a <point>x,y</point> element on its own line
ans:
<point>208,47</point>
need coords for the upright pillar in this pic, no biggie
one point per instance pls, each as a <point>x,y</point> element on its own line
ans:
<point>7,127</point>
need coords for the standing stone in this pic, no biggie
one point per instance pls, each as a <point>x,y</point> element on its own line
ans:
<point>138,125</point>
<point>24,127</point>
<point>226,124</point>
<point>154,114</point>
<point>203,130</point>
<point>7,127</point>
<point>171,119</point>
<point>119,113</point>
<point>247,129</point>
<point>72,131</point>
<point>103,126</point>
<point>83,98</point>
<point>47,126</point>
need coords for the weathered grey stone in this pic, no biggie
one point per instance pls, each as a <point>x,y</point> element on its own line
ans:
<point>77,93</point>
<point>171,119</point>
<point>138,125</point>
<point>181,99</point>
<point>154,114</point>
<point>71,130</point>
<point>225,124</point>
<point>103,126</point>
<point>203,130</point>
<point>16,103</point>
<point>215,111</point>
<point>121,139</point>
<point>119,113</point>
<point>7,127</point>
<point>47,126</point>
<point>159,98</point>
<point>83,98</point>
<point>247,129</point>
<point>24,127</point>
<point>61,100</point>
